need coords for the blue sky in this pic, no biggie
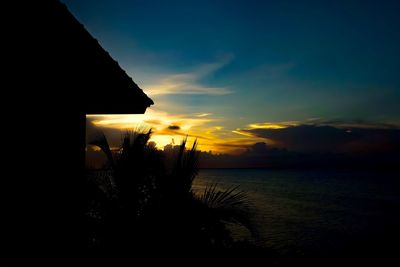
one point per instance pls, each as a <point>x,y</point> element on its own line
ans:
<point>246,62</point>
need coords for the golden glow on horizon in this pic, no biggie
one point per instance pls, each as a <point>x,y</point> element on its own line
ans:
<point>157,120</point>
<point>211,137</point>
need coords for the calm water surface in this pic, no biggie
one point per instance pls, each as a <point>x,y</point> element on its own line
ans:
<point>308,212</point>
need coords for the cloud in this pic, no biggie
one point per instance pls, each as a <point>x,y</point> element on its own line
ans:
<point>264,144</point>
<point>203,114</point>
<point>356,123</point>
<point>331,138</point>
<point>238,131</point>
<point>305,137</point>
<point>165,126</point>
<point>310,146</point>
<point>156,119</point>
<point>188,83</point>
<point>174,127</point>
<point>272,125</point>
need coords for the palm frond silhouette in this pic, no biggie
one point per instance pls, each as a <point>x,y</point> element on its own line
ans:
<point>144,201</point>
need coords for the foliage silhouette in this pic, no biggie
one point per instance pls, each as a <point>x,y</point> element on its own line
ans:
<point>141,202</point>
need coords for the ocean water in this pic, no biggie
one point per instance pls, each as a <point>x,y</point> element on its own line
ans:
<point>315,212</point>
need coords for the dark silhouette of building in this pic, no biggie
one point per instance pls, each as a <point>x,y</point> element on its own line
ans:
<point>76,59</point>
<point>55,74</point>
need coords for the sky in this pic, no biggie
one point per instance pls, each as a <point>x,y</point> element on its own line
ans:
<point>234,73</point>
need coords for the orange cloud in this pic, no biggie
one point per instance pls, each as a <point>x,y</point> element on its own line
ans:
<point>170,128</point>
<point>166,127</point>
<point>272,125</point>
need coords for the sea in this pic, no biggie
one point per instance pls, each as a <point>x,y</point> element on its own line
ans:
<point>314,212</point>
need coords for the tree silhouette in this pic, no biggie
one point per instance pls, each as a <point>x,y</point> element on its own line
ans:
<point>138,201</point>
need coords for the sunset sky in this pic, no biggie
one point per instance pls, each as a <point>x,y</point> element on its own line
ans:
<point>232,72</point>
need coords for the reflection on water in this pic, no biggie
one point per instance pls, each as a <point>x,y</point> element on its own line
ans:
<point>305,212</point>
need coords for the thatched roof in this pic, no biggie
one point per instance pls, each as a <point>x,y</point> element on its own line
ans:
<point>79,67</point>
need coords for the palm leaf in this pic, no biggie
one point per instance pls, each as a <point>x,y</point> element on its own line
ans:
<point>186,167</point>
<point>230,205</point>
<point>101,142</point>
